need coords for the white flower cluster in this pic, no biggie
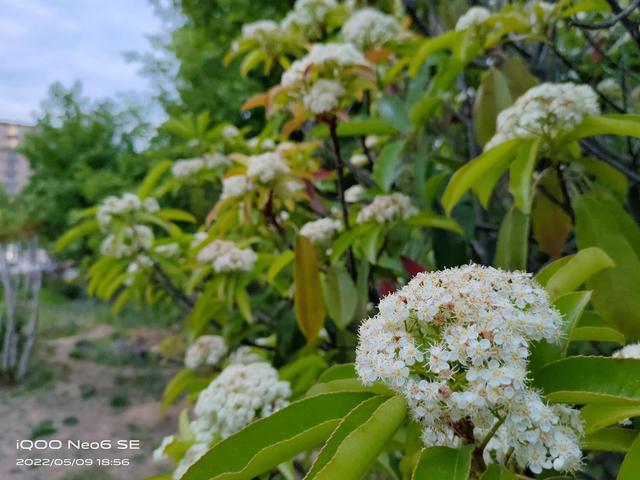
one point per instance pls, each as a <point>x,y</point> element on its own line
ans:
<point>386,208</point>
<point>227,257</point>
<point>546,110</point>
<point>309,17</point>
<point>207,350</point>
<point>323,54</point>
<point>191,167</point>
<point>369,27</point>
<point>321,231</point>
<point>140,262</point>
<point>128,203</point>
<point>235,186</point>
<point>229,132</point>
<point>128,242</point>
<point>353,194</point>
<point>266,167</point>
<point>324,96</point>
<point>473,16</point>
<point>259,30</point>
<point>628,351</point>
<point>244,355</point>
<point>455,344</point>
<point>168,250</point>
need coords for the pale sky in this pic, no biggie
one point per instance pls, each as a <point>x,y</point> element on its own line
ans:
<point>44,41</point>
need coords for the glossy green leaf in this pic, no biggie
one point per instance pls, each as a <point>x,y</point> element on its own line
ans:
<point>498,472</point>
<point>570,306</point>
<point>493,96</point>
<point>597,417</point>
<point>175,214</point>
<point>630,467</point>
<point>444,463</point>
<point>280,262</point>
<point>270,441</point>
<point>348,385</point>
<point>430,220</point>
<point>497,158</point>
<point>513,241</point>
<point>551,224</point>
<point>592,327</point>
<point>602,222</point>
<point>362,444</point>
<point>610,440</point>
<point>386,166</point>
<point>340,295</point>
<point>364,127</point>
<point>518,76</point>
<point>605,174</point>
<point>356,417</point>
<point>613,124</point>
<point>309,306</point>
<point>337,372</point>
<point>581,266</point>
<point>521,173</point>
<point>153,177</point>
<point>184,381</point>
<point>85,228</point>
<point>431,46</point>
<point>590,380</point>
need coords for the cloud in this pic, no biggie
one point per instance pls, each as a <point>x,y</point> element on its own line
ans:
<point>42,42</point>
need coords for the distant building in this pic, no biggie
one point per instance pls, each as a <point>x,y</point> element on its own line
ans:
<point>14,168</point>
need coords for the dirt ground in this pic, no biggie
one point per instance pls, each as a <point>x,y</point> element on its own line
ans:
<point>72,397</point>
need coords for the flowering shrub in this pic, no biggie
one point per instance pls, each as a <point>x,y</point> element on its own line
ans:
<point>389,154</point>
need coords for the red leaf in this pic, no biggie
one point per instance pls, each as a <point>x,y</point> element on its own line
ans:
<point>386,287</point>
<point>411,266</point>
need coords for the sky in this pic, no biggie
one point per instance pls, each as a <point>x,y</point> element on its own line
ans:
<point>44,41</point>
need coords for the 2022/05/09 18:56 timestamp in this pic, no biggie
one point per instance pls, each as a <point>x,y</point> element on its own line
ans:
<point>72,462</point>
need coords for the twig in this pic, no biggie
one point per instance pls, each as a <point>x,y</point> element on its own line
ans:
<point>619,15</point>
<point>609,157</point>
<point>631,26</point>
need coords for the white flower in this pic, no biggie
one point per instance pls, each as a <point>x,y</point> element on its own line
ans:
<point>324,96</point>
<point>127,204</point>
<point>158,453</point>
<point>132,239</point>
<point>227,257</point>
<point>245,355</point>
<point>168,249</point>
<point>192,456</point>
<point>353,194</point>
<point>206,350</point>
<point>230,132</point>
<point>266,167</point>
<point>239,395</point>
<point>235,186</point>
<point>610,87</point>
<point>386,208</point>
<point>546,111</point>
<point>473,16</point>
<point>359,160</point>
<point>628,351</point>
<point>321,231</point>
<point>369,28</point>
<point>259,30</point>
<point>309,16</point>
<point>191,167</point>
<point>324,54</point>
<point>455,344</point>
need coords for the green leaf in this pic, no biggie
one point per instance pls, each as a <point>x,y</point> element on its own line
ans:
<point>385,169</point>
<point>592,327</point>
<point>309,307</point>
<point>394,110</point>
<point>348,385</point>
<point>631,463</point>
<point>597,417</point>
<point>431,46</point>
<point>358,440</point>
<point>340,295</point>
<point>518,76</point>
<point>431,220</point>
<point>473,173</point>
<point>281,261</point>
<point>546,272</point>
<point>602,222</point>
<point>251,61</point>
<point>605,174</point>
<point>613,124</point>
<point>270,441</point>
<point>513,241</point>
<point>151,179</point>
<point>493,96</point>
<point>521,172</point>
<point>498,472</point>
<point>364,127</point>
<point>590,380</point>
<point>551,224</point>
<point>444,463</point>
<point>241,298</point>
<point>176,214</point>
<point>184,380</point>
<point>580,267</point>
<point>610,440</point>
<point>570,306</point>
<point>337,372</point>
<point>79,231</point>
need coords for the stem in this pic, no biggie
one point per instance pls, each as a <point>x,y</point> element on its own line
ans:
<point>487,438</point>
<point>623,16</point>
<point>339,165</point>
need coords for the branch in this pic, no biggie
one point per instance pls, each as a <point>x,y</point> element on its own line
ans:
<point>631,26</point>
<point>410,8</point>
<point>619,15</point>
<point>611,158</point>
